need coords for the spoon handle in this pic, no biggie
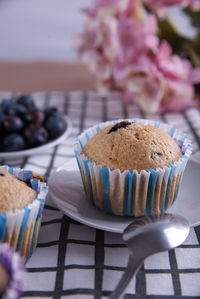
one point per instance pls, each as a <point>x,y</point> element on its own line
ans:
<point>132,267</point>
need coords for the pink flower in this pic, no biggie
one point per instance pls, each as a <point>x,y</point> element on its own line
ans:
<point>150,30</point>
<point>97,64</point>
<point>142,83</point>
<point>135,9</point>
<point>86,41</point>
<point>121,47</point>
<point>179,95</point>
<point>131,36</point>
<point>164,51</point>
<point>110,43</point>
<point>119,5</point>
<point>107,7</point>
<point>160,4</point>
<point>174,67</point>
<point>135,38</point>
<point>147,90</point>
<point>194,75</point>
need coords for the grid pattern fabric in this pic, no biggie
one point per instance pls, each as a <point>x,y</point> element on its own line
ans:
<point>75,261</point>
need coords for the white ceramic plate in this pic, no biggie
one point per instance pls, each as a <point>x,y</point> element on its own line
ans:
<point>38,149</point>
<point>66,191</point>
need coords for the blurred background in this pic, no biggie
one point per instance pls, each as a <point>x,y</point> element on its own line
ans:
<point>36,51</point>
<point>39,29</point>
<point>36,44</point>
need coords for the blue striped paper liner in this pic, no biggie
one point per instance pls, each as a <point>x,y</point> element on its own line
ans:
<point>169,187</point>
<point>105,185</point>
<point>85,162</point>
<point>33,238</point>
<point>23,229</point>
<point>128,204</point>
<point>151,191</point>
<point>106,173</point>
<point>3,222</point>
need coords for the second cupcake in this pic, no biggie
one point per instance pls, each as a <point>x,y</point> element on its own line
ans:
<point>132,167</point>
<point>22,197</point>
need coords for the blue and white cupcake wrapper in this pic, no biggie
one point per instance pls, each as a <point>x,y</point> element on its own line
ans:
<point>132,193</point>
<point>14,264</point>
<point>20,229</point>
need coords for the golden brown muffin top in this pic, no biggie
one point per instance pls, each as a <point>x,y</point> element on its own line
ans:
<point>14,194</point>
<point>129,146</point>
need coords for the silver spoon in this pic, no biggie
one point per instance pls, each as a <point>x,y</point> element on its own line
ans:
<point>149,235</point>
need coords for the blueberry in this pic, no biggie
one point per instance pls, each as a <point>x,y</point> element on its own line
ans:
<point>1,141</point>
<point>26,101</point>
<point>7,107</point>
<point>6,104</point>
<point>12,123</point>
<point>13,142</point>
<point>122,124</point>
<point>20,109</point>
<point>37,116</point>
<point>27,117</point>
<point>35,135</point>
<point>39,126</point>
<point>156,156</point>
<point>50,111</point>
<point>1,119</point>
<point>55,126</point>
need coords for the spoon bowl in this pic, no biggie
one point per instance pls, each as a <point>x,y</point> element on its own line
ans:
<point>160,233</point>
<point>146,236</point>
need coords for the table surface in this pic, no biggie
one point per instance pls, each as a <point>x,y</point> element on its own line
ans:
<point>18,76</point>
<point>75,261</point>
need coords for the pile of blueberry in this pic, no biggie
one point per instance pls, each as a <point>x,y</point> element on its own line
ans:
<point>24,126</point>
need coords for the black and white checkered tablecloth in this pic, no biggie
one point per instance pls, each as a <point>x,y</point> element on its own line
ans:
<point>76,261</point>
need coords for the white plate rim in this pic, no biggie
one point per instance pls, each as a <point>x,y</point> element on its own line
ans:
<point>103,222</point>
<point>38,149</point>
<point>59,203</point>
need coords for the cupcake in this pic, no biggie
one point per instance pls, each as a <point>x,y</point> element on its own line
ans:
<point>132,167</point>
<point>11,273</point>
<point>22,196</point>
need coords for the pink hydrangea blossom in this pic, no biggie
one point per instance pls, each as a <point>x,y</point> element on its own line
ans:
<point>194,75</point>
<point>179,95</point>
<point>146,90</point>
<point>175,68</point>
<point>132,39</point>
<point>121,47</point>
<point>97,65</point>
<point>107,7</point>
<point>160,4</point>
